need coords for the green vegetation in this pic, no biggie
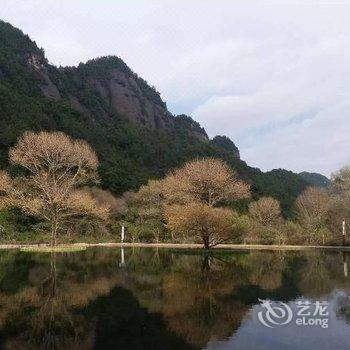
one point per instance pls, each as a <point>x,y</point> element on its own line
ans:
<point>315,179</point>
<point>57,249</point>
<point>129,154</point>
<point>202,203</point>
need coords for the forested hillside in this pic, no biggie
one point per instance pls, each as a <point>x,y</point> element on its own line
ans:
<point>119,114</point>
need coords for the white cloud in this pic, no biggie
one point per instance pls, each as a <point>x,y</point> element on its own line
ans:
<point>274,76</point>
<point>319,143</point>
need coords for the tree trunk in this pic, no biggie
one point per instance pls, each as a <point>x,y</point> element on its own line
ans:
<point>54,226</point>
<point>206,263</point>
<point>205,239</point>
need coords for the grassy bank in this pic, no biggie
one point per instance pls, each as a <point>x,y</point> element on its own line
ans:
<point>57,249</point>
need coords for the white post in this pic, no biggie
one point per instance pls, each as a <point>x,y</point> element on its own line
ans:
<point>345,269</point>
<point>122,233</point>
<point>344,232</point>
<point>122,256</point>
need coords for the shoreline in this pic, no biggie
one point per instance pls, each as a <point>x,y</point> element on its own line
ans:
<point>180,246</point>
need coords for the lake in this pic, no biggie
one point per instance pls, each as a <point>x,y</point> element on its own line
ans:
<point>113,298</point>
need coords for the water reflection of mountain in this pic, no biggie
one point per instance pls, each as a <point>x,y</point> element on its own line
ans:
<point>151,299</point>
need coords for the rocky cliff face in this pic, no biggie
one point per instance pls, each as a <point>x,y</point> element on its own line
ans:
<point>37,64</point>
<point>103,87</point>
<point>185,123</point>
<point>122,93</point>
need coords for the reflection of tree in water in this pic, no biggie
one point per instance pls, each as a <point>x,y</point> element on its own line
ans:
<point>72,302</point>
<point>322,273</point>
<point>157,299</point>
<point>340,284</point>
<point>189,293</point>
<point>266,269</point>
<point>206,297</point>
<point>54,326</point>
<point>315,279</point>
<point>193,291</point>
<point>41,315</point>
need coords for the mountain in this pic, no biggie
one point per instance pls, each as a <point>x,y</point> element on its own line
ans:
<point>124,119</point>
<point>315,179</point>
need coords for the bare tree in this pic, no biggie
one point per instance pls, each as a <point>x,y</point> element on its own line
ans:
<point>266,210</point>
<point>201,222</point>
<point>312,207</point>
<point>193,191</point>
<point>341,181</point>
<point>149,200</point>
<point>312,204</point>
<point>145,208</point>
<point>56,168</point>
<point>5,188</point>
<point>104,198</point>
<point>5,182</point>
<point>207,181</point>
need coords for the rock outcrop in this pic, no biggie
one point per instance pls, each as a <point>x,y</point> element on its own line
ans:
<point>226,145</point>
<point>39,65</point>
<point>103,88</point>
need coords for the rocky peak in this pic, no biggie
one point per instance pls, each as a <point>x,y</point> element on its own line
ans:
<point>102,88</point>
<point>35,61</point>
<point>115,89</point>
<point>225,144</point>
<point>185,123</point>
<point>38,64</point>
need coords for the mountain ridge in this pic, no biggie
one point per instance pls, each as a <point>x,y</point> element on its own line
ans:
<point>135,136</point>
<point>315,179</point>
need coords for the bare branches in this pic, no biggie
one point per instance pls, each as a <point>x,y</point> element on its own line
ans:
<point>207,180</point>
<point>5,188</point>
<point>193,191</point>
<point>5,182</point>
<point>312,208</point>
<point>200,221</point>
<point>266,210</point>
<point>313,204</point>
<point>57,167</point>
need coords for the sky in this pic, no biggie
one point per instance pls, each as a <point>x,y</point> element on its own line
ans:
<point>274,76</point>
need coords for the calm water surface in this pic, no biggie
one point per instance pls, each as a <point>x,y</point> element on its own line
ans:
<point>106,298</point>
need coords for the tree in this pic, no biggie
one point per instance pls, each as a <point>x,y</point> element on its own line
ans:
<point>312,204</point>
<point>208,181</point>
<point>341,180</point>
<point>149,200</point>
<point>201,222</point>
<point>192,194</point>
<point>339,206</point>
<point>312,207</point>
<point>266,210</point>
<point>104,198</point>
<point>56,168</point>
<point>145,209</point>
<point>5,187</point>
